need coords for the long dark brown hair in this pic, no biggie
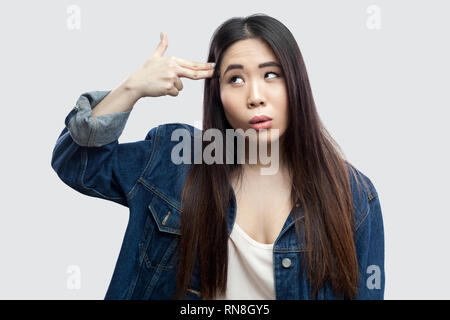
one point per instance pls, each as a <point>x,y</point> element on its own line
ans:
<point>320,180</point>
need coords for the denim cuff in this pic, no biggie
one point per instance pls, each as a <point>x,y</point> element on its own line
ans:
<point>97,131</point>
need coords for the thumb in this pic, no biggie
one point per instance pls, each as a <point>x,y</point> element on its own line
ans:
<point>162,46</point>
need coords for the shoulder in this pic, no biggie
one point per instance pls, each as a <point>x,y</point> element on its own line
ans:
<point>173,148</point>
<point>359,178</point>
<point>174,128</point>
<point>170,160</point>
<point>363,191</point>
<point>170,138</point>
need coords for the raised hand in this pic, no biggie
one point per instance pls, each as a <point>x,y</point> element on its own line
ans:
<point>160,76</point>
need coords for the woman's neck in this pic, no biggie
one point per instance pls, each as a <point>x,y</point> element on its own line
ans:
<point>269,162</point>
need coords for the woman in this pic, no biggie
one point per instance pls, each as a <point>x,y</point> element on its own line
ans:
<point>311,229</point>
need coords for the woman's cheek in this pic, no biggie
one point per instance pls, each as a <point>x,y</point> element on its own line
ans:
<point>231,110</point>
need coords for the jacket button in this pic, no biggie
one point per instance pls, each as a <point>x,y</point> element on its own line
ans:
<point>286,262</point>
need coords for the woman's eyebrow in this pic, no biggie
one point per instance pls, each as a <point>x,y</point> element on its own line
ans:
<point>262,65</point>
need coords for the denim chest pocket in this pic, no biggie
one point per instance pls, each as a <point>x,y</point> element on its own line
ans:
<point>161,234</point>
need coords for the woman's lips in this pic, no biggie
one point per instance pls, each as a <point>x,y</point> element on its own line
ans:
<point>261,125</point>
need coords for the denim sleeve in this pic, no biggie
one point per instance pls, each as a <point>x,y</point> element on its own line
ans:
<point>94,131</point>
<point>370,251</point>
<point>88,157</point>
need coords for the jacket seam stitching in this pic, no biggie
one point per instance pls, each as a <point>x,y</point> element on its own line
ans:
<point>159,194</point>
<point>88,142</point>
<point>95,132</point>
<point>81,179</point>
<point>130,194</point>
<point>157,273</point>
<point>363,218</point>
<point>150,161</point>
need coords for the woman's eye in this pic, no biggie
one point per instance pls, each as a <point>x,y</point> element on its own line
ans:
<point>237,77</point>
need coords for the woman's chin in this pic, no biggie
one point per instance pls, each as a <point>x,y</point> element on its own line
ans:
<point>266,136</point>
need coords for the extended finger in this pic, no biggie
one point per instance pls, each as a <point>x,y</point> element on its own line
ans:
<point>194,74</point>
<point>162,46</point>
<point>194,65</point>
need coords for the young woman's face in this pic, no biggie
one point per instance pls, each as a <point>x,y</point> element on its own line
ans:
<point>253,90</point>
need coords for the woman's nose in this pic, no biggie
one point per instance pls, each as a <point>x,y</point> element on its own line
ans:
<point>255,98</point>
<point>253,103</point>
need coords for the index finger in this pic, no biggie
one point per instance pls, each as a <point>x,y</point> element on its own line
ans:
<point>196,74</point>
<point>194,65</point>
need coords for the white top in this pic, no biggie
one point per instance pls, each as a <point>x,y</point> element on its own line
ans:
<point>250,268</point>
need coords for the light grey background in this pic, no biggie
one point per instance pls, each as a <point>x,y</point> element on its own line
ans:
<point>382,93</point>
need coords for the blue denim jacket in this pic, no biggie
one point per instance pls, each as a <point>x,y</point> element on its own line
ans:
<point>141,176</point>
